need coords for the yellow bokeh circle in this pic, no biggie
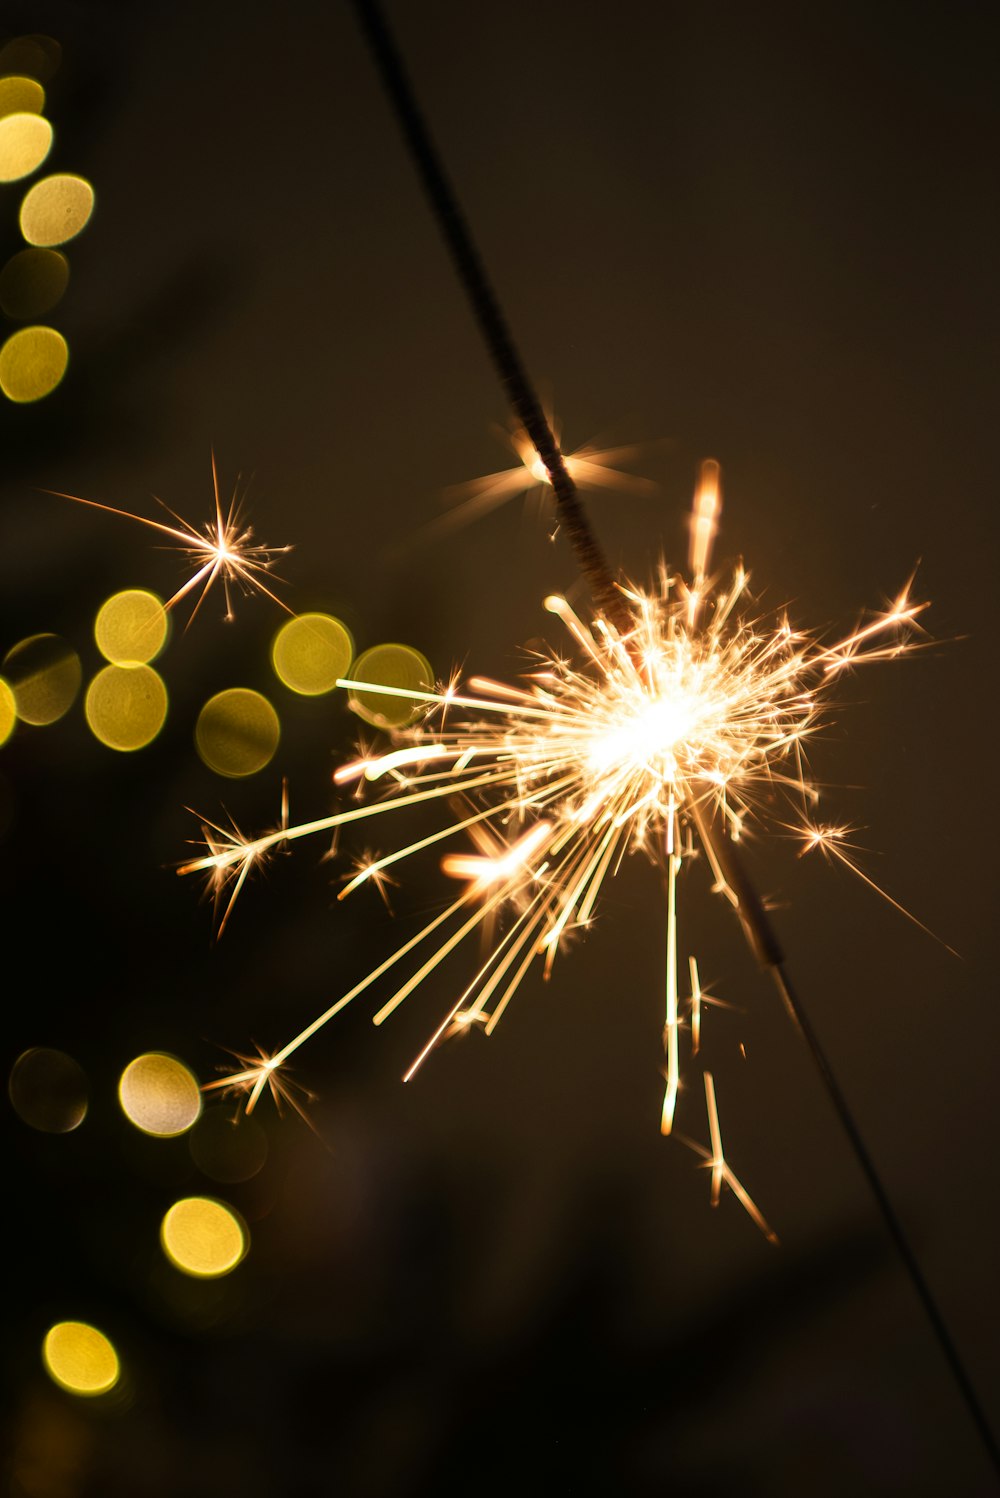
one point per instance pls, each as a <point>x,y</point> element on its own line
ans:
<point>35,55</point>
<point>8,711</point>
<point>32,362</point>
<point>399,667</point>
<point>80,1358</point>
<point>56,209</point>
<point>160,1095</point>
<point>45,676</point>
<point>126,706</point>
<point>48,1090</point>
<point>228,1147</point>
<point>237,732</point>
<point>25,141</point>
<point>131,627</point>
<point>32,282</point>
<point>311,652</point>
<point>203,1237</point>
<point>21,96</point>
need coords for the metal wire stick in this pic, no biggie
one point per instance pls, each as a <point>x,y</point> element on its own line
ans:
<point>486,310</point>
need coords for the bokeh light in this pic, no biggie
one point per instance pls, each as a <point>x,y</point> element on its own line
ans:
<point>80,1358</point>
<point>8,711</point>
<point>21,96</point>
<point>25,141</point>
<point>237,732</point>
<point>159,1094</point>
<point>33,282</point>
<point>202,1237</point>
<point>36,56</point>
<point>45,675</point>
<point>390,666</point>
<point>310,652</point>
<point>226,1146</point>
<point>126,706</point>
<point>131,627</point>
<point>56,209</point>
<point>48,1090</point>
<point>32,362</point>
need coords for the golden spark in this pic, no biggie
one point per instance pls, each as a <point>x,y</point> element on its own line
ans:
<point>722,1174</point>
<point>589,467</point>
<point>222,551</point>
<point>833,843</point>
<point>231,856</point>
<point>259,1072</point>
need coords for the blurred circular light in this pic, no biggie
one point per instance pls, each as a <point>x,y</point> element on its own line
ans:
<point>237,732</point>
<point>131,627</point>
<point>45,675</point>
<point>126,706</point>
<point>25,141</point>
<point>37,56</point>
<point>310,652</point>
<point>398,666</point>
<point>56,209</point>
<point>32,362</point>
<point>80,1358</point>
<point>48,1090</point>
<point>228,1147</point>
<point>32,282</point>
<point>8,711</point>
<point>160,1095</point>
<point>203,1237</point>
<point>21,96</point>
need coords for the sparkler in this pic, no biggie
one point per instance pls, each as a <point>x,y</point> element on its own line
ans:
<point>643,740</point>
<point>728,867</point>
<point>222,551</point>
<point>678,718</point>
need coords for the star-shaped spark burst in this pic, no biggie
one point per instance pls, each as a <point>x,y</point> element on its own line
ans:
<point>589,467</point>
<point>230,857</point>
<point>223,551</point>
<point>833,842</point>
<point>368,868</point>
<point>260,1072</point>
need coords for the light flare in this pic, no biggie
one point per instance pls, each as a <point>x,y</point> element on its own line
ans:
<point>589,467</point>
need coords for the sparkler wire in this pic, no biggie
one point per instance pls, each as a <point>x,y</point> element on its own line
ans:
<point>794,1006</point>
<point>767,949</point>
<point>722,854</point>
<point>486,310</point>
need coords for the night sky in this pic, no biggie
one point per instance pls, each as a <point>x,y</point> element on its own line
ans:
<point>766,234</point>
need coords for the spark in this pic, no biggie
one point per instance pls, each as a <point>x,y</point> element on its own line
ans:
<point>698,1000</point>
<point>231,856</point>
<point>698,716</point>
<point>222,551</point>
<point>370,869</point>
<point>259,1072</point>
<point>722,1174</point>
<point>832,842</point>
<point>589,467</point>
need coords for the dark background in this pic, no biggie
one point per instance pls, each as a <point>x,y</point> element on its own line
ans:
<point>762,233</point>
